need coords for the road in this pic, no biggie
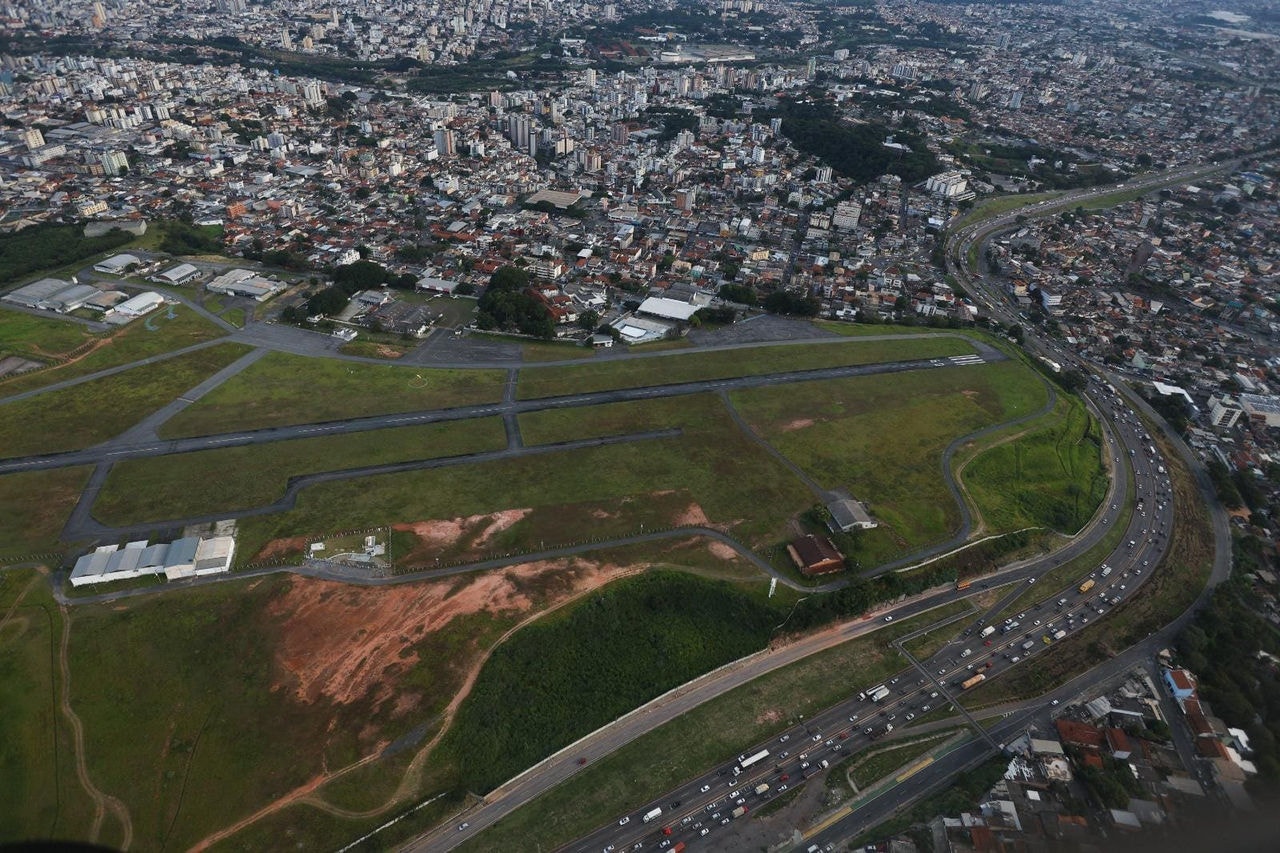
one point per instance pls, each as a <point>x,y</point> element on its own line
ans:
<point>1141,549</point>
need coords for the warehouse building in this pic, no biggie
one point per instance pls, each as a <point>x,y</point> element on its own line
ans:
<point>189,557</point>
<point>117,264</point>
<point>244,283</point>
<point>181,274</point>
<point>52,294</point>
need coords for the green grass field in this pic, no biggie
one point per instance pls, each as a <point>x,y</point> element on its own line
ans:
<point>704,737</point>
<point>882,439</point>
<point>34,506</point>
<point>159,488</point>
<point>43,339</point>
<point>284,389</point>
<point>42,798</point>
<point>597,661</point>
<point>83,415</point>
<point>578,496</point>
<point>1051,476</point>
<point>604,374</point>
<point>862,330</point>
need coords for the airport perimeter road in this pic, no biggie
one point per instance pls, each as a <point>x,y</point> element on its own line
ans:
<point>111,451</point>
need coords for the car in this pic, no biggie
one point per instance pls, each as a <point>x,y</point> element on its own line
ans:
<point>888,618</point>
<point>675,804</point>
<point>1122,586</point>
<point>924,708</point>
<point>1031,580</point>
<point>804,765</point>
<point>843,735</point>
<point>733,783</point>
<point>784,777</point>
<point>1054,702</point>
<point>1037,623</point>
<point>892,717</point>
<point>830,741</point>
<point>910,717</point>
<point>783,754</point>
<point>867,730</point>
<point>624,821</point>
<point>698,825</point>
<point>817,737</point>
<point>581,761</point>
<point>854,718</point>
<point>609,849</point>
<point>986,642</point>
<point>739,801</point>
<point>782,788</point>
<point>705,788</point>
<point>933,695</point>
<point>463,826</point>
<point>784,738</point>
<point>704,831</point>
<point>715,816</point>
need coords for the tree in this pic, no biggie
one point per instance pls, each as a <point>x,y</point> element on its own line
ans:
<point>589,320</point>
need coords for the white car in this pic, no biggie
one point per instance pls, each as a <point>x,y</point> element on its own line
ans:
<point>888,618</point>
<point>705,788</point>
<point>624,821</point>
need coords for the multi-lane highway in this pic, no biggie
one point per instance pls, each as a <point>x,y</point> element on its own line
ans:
<point>704,806</point>
<point>707,802</point>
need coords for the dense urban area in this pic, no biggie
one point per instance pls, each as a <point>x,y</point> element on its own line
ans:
<point>654,424</point>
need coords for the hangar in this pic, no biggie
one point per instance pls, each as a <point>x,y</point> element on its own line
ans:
<point>188,557</point>
<point>117,264</point>
<point>181,274</point>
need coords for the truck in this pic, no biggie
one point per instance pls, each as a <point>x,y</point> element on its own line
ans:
<point>1086,586</point>
<point>1059,634</point>
<point>745,761</point>
<point>1106,570</point>
<point>879,693</point>
<point>679,848</point>
<point>762,788</point>
<point>740,811</point>
<point>812,771</point>
<point>970,682</point>
<point>655,812</point>
<point>1028,645</point>
<point>866,694</point>
<point>963,584</point>
<point>987,631</point>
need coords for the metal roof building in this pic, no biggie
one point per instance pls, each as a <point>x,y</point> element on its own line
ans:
<point>183,558</point>
<point>116,264</point>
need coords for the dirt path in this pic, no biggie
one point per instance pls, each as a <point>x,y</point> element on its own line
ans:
<point>101,802</point>
<point>979,521</point>
<point>8,614</point>
<point>413,774</point>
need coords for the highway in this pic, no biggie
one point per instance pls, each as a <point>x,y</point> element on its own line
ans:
<point>915,691</point>
<point>702,809</point>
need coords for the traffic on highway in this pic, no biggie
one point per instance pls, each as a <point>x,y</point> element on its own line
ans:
<point>986,648</point>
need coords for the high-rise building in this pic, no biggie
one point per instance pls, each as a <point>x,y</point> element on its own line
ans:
<point>445,142</point>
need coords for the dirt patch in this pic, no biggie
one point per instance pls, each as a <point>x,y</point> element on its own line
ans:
<point>388,352</point>
<point>499,522</point>
<point>798,423</point>
<point>282,547</point>
<point>693,516</point>
<point>345,644</point>
<point>438,536</point>
<point>721,551</point>
<point>773,715</point>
